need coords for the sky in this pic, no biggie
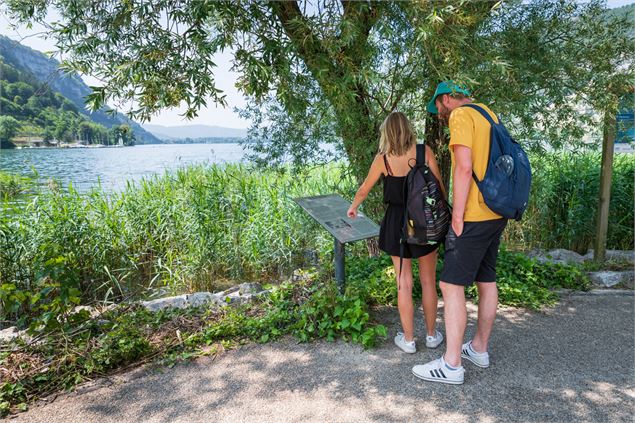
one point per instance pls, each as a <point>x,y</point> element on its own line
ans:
<point>225,79</point>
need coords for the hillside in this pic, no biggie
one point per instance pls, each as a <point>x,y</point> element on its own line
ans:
<point>36,69</point>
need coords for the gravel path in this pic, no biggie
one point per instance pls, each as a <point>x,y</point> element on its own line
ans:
<point>574,362</point>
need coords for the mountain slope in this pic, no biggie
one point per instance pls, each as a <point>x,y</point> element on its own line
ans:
<point>71,86</point>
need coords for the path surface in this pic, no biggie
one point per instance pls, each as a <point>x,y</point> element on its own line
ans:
<point>572,363</point>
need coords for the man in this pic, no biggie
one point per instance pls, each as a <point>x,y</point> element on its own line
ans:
<point>471,246</point>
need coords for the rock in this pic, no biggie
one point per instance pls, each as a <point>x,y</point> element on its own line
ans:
<point>9,334</point>
<point>617,255</point>
<point>610,278</point>
<point>233,298</point>
<point>240,294</point>
<point>559,255</point>
<point>180,301</point>
<point>249,288</point>
<point>200,298</point>
<point>92,312</point>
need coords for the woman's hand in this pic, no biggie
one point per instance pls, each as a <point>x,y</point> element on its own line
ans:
<point>352,212</point>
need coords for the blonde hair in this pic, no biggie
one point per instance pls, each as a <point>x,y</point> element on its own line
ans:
<point>396,135</point>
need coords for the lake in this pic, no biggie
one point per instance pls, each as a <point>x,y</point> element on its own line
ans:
<point>114,166</point>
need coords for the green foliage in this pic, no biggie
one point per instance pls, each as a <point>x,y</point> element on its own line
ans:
<point>195,229</point>
<point>564,200</point>
<point>13,185</point>
<point>203,228</point>
<point>32,109</point>
<point>333,70</point>
<point>524,282</point>
<point>129,335</point>
<point>328,314</point>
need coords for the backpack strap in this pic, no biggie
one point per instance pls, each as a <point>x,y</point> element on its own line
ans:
<point>421,154</point>
<point>482,112</point>
<point>491,122</point>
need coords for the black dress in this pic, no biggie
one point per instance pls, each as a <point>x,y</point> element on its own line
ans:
<point>391,224</point>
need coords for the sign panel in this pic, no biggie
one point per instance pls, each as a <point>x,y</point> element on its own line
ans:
<point>330,212</point>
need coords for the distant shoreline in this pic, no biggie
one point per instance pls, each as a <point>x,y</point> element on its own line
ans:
<point>93,146</point>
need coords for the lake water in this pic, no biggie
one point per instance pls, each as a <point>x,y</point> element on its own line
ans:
<point>113,166</point>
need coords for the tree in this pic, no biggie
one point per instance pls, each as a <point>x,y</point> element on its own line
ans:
<point>333,69</point>
<point>122,133</point>
<point>8,129</point>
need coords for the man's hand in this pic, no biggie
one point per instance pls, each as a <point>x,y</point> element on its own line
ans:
<point>457,226</point>
<point>352,212</point>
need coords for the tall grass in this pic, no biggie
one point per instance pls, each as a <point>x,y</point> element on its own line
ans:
<point>563,204</point>
<point>13,185</point>
<point>197,228</point>
<point>204,228</point>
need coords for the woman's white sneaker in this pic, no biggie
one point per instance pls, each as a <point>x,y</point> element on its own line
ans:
<point>407,346</point>
<point>434,341</point>
<point>438,371</point>
<point>480,359</point>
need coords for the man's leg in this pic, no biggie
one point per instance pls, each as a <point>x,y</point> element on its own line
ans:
<point>487,290</point>
<point>455,321</point>
<point>487,305</point>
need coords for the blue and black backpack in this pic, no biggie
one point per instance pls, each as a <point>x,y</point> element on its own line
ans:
<point>505,187</point>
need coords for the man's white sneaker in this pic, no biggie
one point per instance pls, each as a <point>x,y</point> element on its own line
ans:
<point>438,371</point>
<point>480,359</point>
<point>434,341</point>
<point>407,346</point>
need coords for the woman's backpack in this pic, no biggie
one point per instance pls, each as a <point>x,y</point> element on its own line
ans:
<point>427,214</point>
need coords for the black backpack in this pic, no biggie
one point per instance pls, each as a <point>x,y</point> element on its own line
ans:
<point>427,214</point>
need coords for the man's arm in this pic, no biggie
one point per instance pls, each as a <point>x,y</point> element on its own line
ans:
<point>462,179</point>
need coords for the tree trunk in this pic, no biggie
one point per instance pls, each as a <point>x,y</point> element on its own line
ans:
<point>608,144</point>
<point>436,139</point>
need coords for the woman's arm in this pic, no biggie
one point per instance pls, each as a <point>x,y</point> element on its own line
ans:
<point>434,167</point>
<point>376,170</point>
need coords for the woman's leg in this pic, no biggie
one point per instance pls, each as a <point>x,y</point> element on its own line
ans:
<point>427,276</point>
<point>404,297</point>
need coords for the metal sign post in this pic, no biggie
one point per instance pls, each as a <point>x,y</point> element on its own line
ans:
<point>330,212</point>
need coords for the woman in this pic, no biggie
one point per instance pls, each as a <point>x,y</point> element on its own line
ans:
<point>397,153</point>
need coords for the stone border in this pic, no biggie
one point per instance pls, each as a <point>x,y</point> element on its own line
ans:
<point>239,294</point>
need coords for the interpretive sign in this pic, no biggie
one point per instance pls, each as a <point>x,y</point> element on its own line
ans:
<point>330,212</point>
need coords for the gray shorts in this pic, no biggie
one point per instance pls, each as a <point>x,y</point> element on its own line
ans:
<point>472,256</point>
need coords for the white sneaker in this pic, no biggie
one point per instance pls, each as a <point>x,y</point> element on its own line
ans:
<point>434,341</point>
<point>438,371</point>
<point>407,346</point>
<point>480,359</point>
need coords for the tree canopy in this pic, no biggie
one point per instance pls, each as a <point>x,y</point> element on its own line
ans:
<point>330,71</point>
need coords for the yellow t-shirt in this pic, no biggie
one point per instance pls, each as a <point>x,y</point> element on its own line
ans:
<point>469,128</point>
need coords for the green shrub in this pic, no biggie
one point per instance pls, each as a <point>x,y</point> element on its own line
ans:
<point>68,355</point>
<point>522,281</point>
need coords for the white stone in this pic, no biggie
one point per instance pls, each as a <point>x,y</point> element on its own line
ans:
<point>200,298</point>
<point>619,255</point>
<point>249,288</point>
<point>611,278</point>
<point>180,301</point>
<point>559,255</point>
<point>8,334</point>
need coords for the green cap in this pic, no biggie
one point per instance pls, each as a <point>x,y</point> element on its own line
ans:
<point>445,87</point>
